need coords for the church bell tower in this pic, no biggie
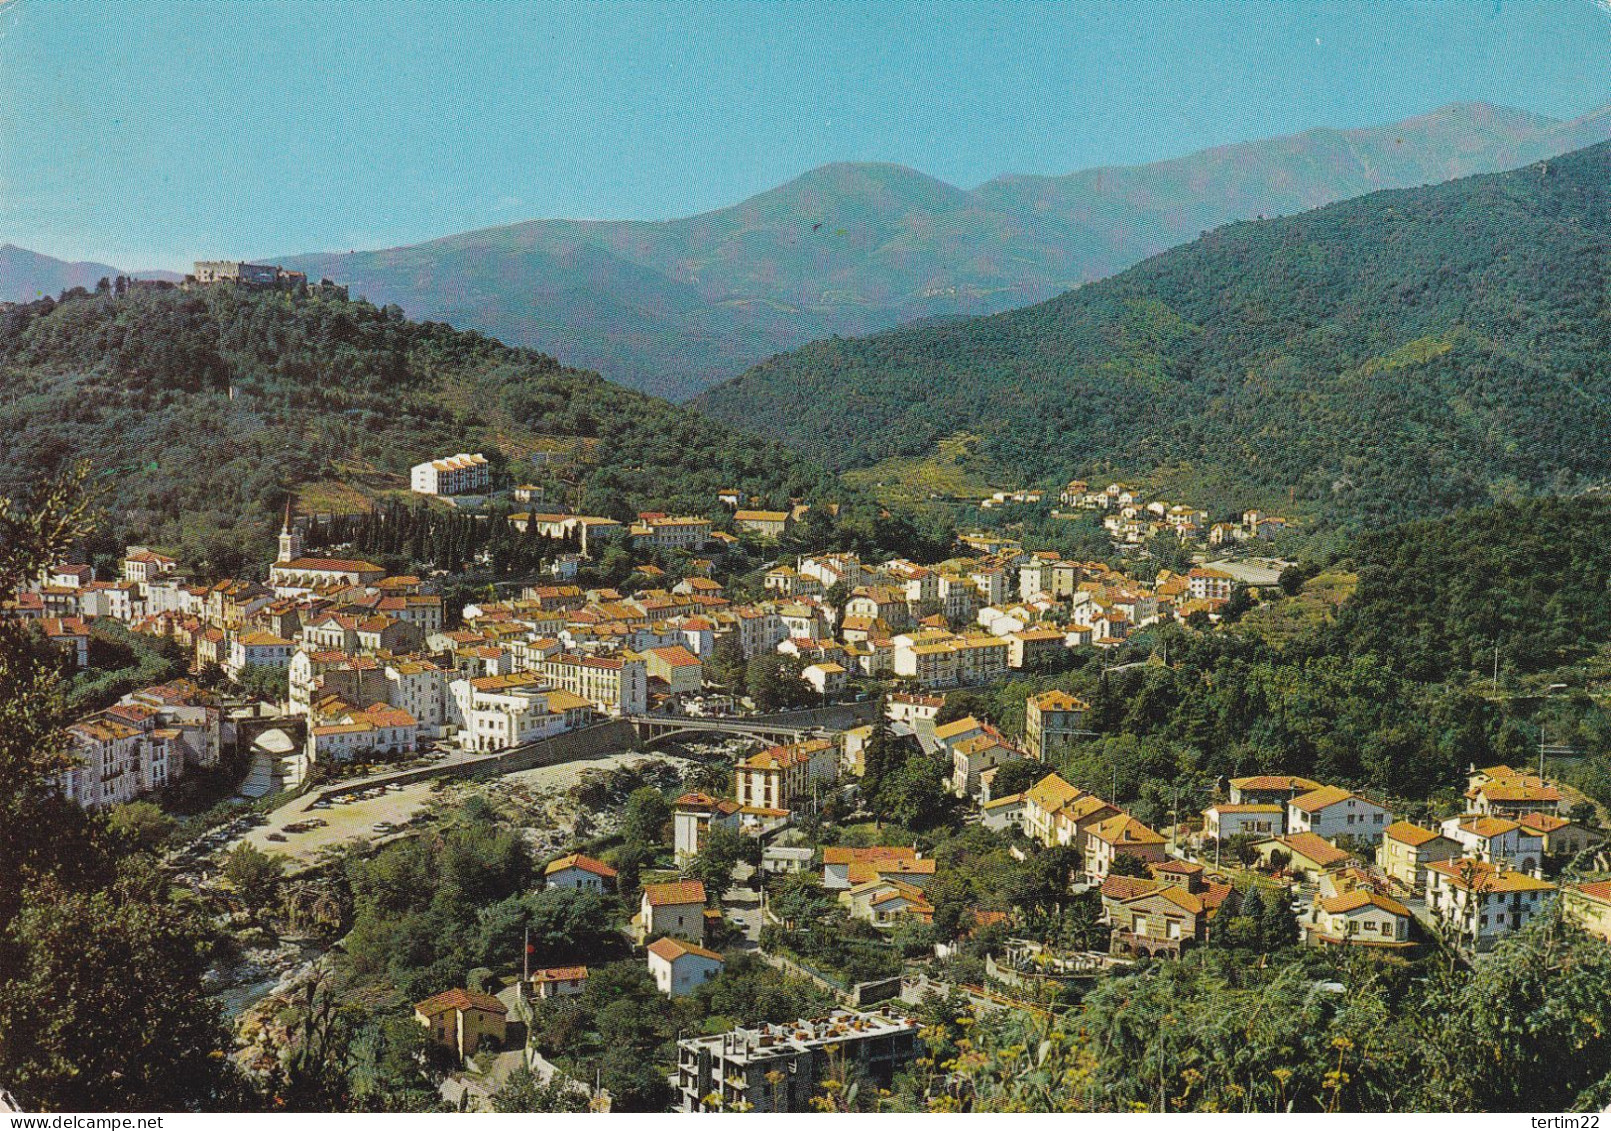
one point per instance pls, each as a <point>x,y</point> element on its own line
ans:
<point>290,540</point>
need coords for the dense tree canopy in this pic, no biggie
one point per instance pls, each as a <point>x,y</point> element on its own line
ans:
<point>204,408</point>
<point>1394,355</point>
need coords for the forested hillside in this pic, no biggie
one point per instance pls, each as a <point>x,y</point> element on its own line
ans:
<point>1395,692</point>
<point>201,410</point>
<point>1386,357</point>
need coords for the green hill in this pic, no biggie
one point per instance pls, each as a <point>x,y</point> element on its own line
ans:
<point>1390,356</point>
<point>852,248</point>
<point>200,410</point>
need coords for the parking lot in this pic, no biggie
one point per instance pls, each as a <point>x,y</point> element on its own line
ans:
<point>302,828</point>
<point>351,818</point>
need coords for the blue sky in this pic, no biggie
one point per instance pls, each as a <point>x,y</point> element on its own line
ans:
<point>147,134</point>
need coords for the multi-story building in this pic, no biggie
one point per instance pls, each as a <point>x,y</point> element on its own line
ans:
<point>462,1021</point>
<point>676,908</point>
<point>768,524</point>
<point>190,715</point>
<point>1500,791</point>
<point>1357,916</point>
<point>106,767</point>
<point>779,1068</point>
<point>260,276</point>
<point>461,474</point>
<point>1589,906</point>
<point>957,594</point>
<point>1033,647</point>
<point>1120,835</point>
<point>71,635</point>
<point>1053,721</point>
<point>420,688</point>
<point>666,532</point>
<point>1480,902</point>
<point>1497,840</point>
<point>787,777</point>
<point>695,814</point>
<point>1162,915</point>
<point>499,712</point>
<point>1331,812</point>
<point>1562,838</point>
<point>932,664</point>
<point>1225,820</point>
<point>257,650</point>
<point>343,735</point>
<point>679,668</point>
<point>1264,789</point>
<point>1210,584</point>
<point>142,565</point>
<point>616,685</point>
<point>1407,849</point>
<point>680,967</point>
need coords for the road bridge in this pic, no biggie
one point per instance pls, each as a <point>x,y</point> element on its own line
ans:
<point>779,729</point>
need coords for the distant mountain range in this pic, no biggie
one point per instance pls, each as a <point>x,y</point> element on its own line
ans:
<point>853,248</point>
<point>848,249</point>
<point>26,275</point>
<point>1398,354</point>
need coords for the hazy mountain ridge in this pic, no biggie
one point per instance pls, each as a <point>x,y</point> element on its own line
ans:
<point>853,248</point>
<point>26,275</point>
<point>1393,355</point>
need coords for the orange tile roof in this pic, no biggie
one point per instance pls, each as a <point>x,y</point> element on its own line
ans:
<point>1481,876</point>
<point>560,974</point>
<point>1275,781</point>
<point>1314,848</point>
<point>460,999</point>
<point>585,863</point>
<point>672,949</point>
<point>1510,791</point>
<point>1599,891</point>
<point>960,726</point>
<point>1317,799</point>
<point>674,894</point>
<point>1128,887</point>
<point>839,854</point>
<point>1125,830</point>
<point>1487,827</point>
<point>1355,898</point>
<point>1055,700</point>
<point>1411,834</point>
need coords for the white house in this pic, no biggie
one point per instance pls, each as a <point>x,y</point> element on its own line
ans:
<point>826,679</point>
<point>1480,902</point>
<point>679,967</point>
<point>258,650</point>
<point>1497,840</point>
<point>1357,917</point>
<point>1226,820</point>
<point>676,908</point>
<point>1331,812</point>
<point>692,815</point>
<point>451,475</point>
<point>558,981</point>
<point>579,871</point>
